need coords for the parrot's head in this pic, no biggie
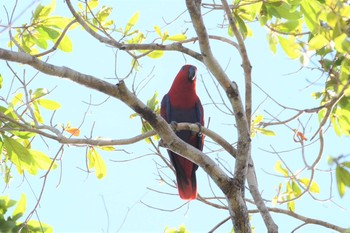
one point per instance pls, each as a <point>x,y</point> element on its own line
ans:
<point>185,80</point>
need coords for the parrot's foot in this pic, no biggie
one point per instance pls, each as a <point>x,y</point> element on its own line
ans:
<point>161,143</point>
<point>200,129</point>
<point>173,125</point>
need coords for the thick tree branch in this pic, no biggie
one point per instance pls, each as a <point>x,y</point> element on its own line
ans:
<point>238,209</point>
<point>247,67</point>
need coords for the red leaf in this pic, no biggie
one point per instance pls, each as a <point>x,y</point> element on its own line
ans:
<point>73,131</point>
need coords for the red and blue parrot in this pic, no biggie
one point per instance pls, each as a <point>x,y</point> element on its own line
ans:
<point>181,104</point>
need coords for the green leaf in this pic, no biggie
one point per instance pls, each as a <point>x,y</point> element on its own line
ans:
<point>131,23</point>
<point>38,93</point>
<point>20,208</point>
<point>249,11</point>
<point>290,47</point>
<point>346,164</point>
<point>42,12</point>
<point>35,226</point>
<point>340,184</point>
<point>344,175</point>
<point>152,103</point>
<point>49,104</point>
<point>96,161</point>
<point>40,42</point>
<point>23,134</point>
<point>317,42</point>
<point>51,33</point>
<point>66,44</point>
<point>5,203</point>
<point>242,27</point>
<point>291,26</point>
<point>291,206</point>
<point>278,168</point>
<point>286,12</point>
<point>311,10</point>
<point>314,188</point>
<point>103,13</point>
<point>19,156</point>
<point>296,188</point>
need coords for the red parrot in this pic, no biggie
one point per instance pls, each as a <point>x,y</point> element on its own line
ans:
<point>181,104</point>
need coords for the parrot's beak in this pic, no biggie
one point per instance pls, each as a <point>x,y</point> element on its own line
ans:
<point>192,71</point>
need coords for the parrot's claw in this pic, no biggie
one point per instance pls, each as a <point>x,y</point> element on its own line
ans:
<point>200,129</point>
<point>173,125</point>
<point>161,143</point>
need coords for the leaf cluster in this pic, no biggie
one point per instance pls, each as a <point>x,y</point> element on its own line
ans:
<point>42,29</point>
<point>294,187</point>
<point>11,223</point>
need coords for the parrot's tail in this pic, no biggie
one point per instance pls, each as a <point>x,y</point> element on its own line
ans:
<point>187,186</point>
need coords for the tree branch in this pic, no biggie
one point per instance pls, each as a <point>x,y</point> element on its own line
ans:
<point>110,41</point>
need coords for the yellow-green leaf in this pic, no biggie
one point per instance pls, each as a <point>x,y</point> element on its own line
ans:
<point>20,207</point>
<point>291,206</point>
<point>178,37</point>
<point>290,47</point>
<point>278,168</point>
<point>49,104</point>
<point>17,99</point>
<point>266,132</point>
<point>37,113</point>
<point>296,188</point>
<point>38,226</point>
<point>157,29</point>
<point>39,92</point>
<point>66,44</point>
<point>131,23</point>
<point>342,44</point>
<point>107,148</point>
<point>156,54</point>
<point>258,119</point>
<point>314,188</point>
<point>41,160</point>
<point>19,156</point>
<point>318,42</point>
<point>96,161</point>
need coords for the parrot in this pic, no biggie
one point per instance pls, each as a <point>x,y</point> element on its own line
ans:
<point>181,104</point>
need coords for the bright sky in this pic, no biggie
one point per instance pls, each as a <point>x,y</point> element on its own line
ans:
<point>74,201</point>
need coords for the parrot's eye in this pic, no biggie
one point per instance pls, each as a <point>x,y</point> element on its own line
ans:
<point>192,73</point>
